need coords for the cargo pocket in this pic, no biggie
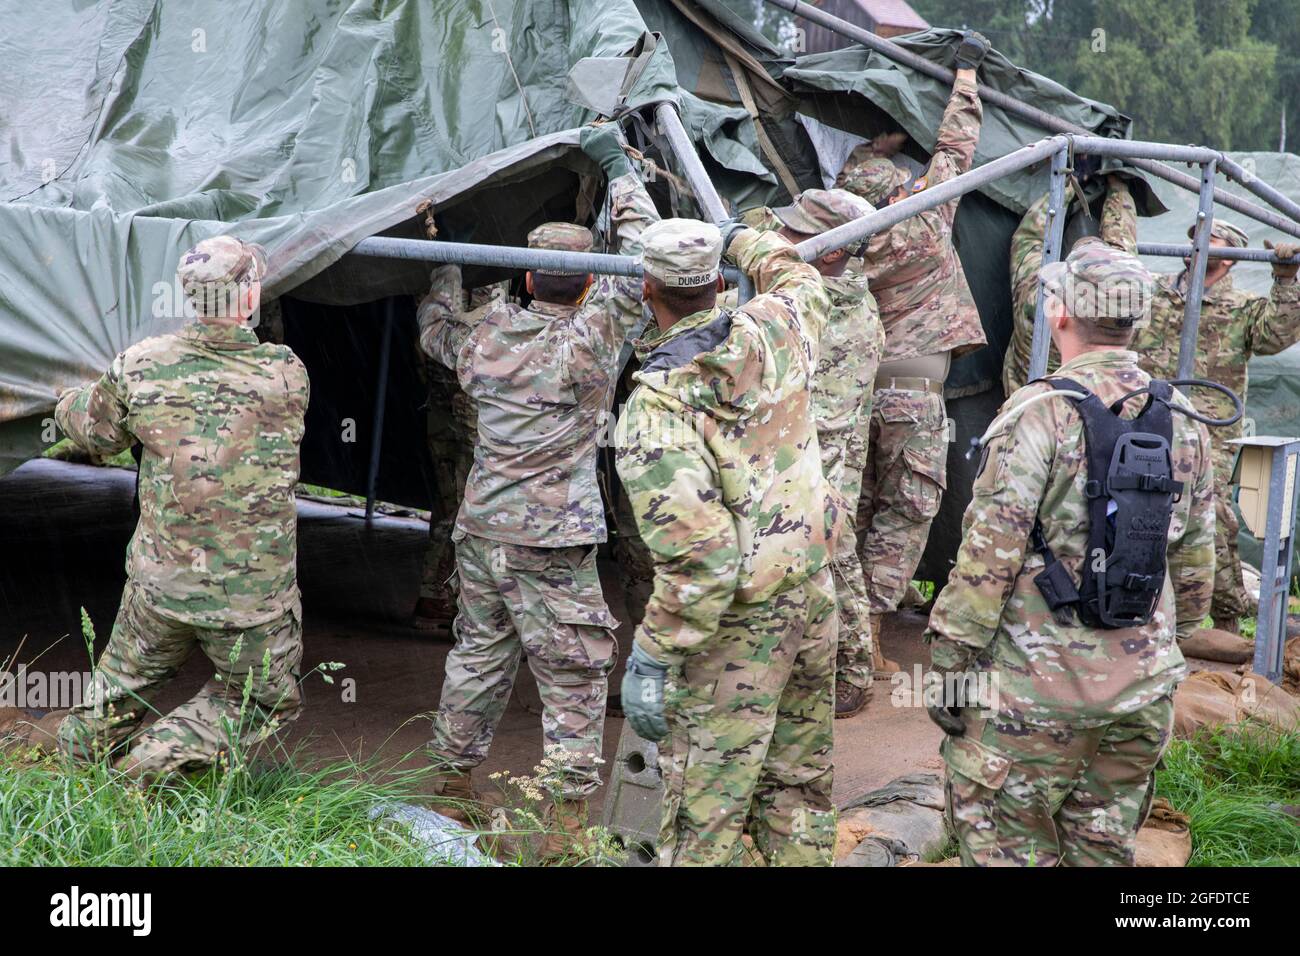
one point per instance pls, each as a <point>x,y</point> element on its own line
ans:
<point>924,479</point>
<point>976,761</point>
<point>579,639</point>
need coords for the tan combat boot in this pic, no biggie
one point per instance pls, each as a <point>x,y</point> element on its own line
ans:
<point>454,796</point>
<point>567,835</point>
<point>882,665</point>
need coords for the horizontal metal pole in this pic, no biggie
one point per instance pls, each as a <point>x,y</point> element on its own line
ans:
<point>1215,252</point>
<point>882,219</point>
<point>1263,190</point>
<point>692,169</point>
<point>1139,149</point>
<point>1040,118</point>
<point>504,257</point>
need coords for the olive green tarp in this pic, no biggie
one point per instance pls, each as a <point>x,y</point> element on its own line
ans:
<point>138,127</point>
<point>133,128</point>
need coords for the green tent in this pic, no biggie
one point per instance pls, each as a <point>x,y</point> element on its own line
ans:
<point>310,126</point>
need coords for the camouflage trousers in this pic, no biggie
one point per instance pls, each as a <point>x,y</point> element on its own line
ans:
<point>750,734</point>
<point>902,485</point>
<point>853,657</point>
<point>146,650</point>
<point>1021,795</point>
<point>1230,598</point>
<point>547,602</point>
<point>451,430</point>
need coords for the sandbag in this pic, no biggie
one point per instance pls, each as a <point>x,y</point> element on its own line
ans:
<point>1212,644</point>
<point>901,820</point>
<point>1166,838</point>
<point>1212,699</point>
<point>1291,666</point>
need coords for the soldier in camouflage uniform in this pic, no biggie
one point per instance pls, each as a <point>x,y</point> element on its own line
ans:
<point>212,563</point>
<point>929,317</point>
<point>1054,762</point>
<point>733,666</point>
<point>451,427</point>
<point>851,345</point>
<point>1234,326</point>
<point>532,514</point>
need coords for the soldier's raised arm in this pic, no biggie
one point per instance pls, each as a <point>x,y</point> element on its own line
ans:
<point>959,131</point>
<point>776,269</point>
<point>1119,216</point>
<point>1275,323</point>
<point>1191,556</point>
<point>631,211</point>
<point>443,327</point>
<point>1026,260</point>
<point>995,536</point>
<point>672,480</point>
<point>94,415</point>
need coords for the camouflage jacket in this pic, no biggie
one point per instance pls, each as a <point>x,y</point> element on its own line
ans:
<point>717,451</point>
<point>925,302</point>
<point>220,417</point>
<point>541,379</point>
<point>992,618</point>
<point>852,343</point>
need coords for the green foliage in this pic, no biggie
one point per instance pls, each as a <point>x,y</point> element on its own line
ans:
<point>1215,72</point>
<point>1234,787</point>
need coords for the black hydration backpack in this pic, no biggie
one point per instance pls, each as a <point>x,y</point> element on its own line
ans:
<point>1131,491</point>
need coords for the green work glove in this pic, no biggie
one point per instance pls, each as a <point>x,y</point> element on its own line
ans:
<point>972,50</point>
<point>604,144</point>
<point>643,695</point>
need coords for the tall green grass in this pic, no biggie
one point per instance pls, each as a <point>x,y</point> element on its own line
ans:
<point>1233,786</point>
<point>58,813</point>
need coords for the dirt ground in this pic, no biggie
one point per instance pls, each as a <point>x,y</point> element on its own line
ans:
<point>64,536</point>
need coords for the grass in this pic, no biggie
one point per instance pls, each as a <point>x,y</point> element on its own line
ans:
<point>1232,784</point>
<point>57,813</point>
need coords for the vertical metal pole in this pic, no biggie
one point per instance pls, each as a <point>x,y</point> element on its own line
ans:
<point>706,195</point>
<point>1052,240</point>
<point>1196,272</point>
<point>381,399</point>
<point>1275,565</point>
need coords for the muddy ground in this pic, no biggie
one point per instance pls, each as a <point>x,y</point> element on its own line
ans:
<point>64,535</point>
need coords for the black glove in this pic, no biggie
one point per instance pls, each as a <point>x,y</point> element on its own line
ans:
<point>949,720</point>
<point>604,144</point>
<point>972,50</point>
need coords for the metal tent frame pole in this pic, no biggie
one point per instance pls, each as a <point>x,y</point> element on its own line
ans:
<point>1047,121</point>
<point>1052,241</point>
<point>705,193</point>
<point>1196,272</point>
<point>381,401</point>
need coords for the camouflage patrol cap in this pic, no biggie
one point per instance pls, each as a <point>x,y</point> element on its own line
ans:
<point>877,177</point>
<point>1224,232</point>
<point>815,211</point>
<point>563,237</point>
<point>209,271</point>
<point>682,253</point>
<point>1101,285</point>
